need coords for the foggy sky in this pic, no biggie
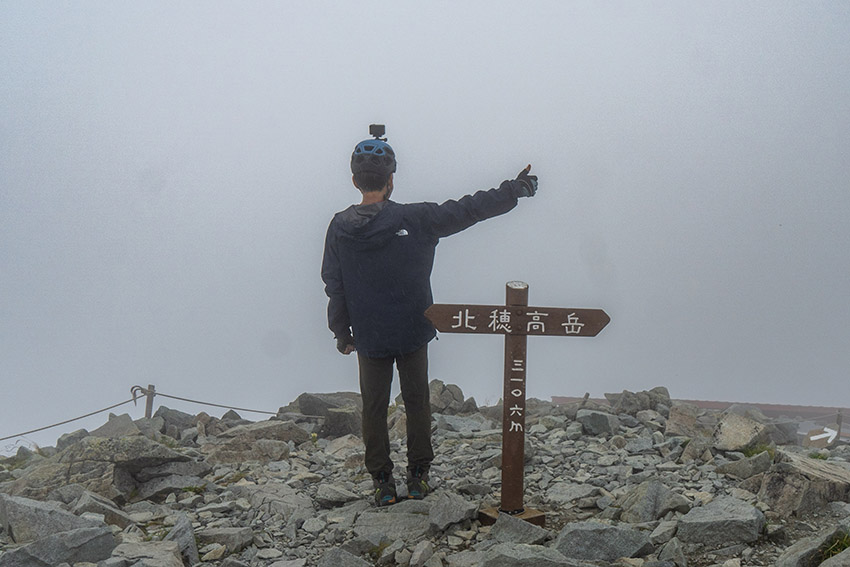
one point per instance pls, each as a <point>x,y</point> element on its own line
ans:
<point>167,174</point>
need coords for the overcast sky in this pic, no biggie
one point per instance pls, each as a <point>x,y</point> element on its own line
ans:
<point>168,171</point>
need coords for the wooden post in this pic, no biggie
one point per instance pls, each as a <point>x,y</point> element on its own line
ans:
<point>149,402</point>
<point>513,411</point>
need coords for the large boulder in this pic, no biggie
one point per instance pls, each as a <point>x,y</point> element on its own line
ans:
<point>101,465</point>
<point>26,520</point>
<point>82,545</point>
<point>736,432</point>
<point>723,521</point>
<point>797,484</point>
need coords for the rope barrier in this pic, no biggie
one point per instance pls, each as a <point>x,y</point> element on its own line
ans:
<point>137,392</point>
<point>133,399</point>
<point>146,392</point>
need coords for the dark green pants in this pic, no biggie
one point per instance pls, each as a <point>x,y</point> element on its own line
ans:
<point>376,378</point>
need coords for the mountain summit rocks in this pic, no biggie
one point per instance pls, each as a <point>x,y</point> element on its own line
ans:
<point>643,481</point>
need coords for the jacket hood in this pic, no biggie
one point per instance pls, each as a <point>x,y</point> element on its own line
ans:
<point>369,226</point>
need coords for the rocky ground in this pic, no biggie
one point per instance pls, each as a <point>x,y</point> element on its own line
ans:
<point>644,482</point>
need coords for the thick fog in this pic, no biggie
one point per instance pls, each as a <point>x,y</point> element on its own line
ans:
<point>168,172</point>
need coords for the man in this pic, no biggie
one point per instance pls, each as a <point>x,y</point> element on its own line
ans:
<point>376,269</point>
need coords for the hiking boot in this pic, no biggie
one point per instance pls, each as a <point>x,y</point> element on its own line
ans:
<point>385,493</point>
<point>417,483</point>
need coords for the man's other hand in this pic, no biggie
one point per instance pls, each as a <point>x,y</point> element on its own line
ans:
<point>528,182</point>
<point>345,345</point>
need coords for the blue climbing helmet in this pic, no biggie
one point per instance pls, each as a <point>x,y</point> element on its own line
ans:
<point>373,156</point>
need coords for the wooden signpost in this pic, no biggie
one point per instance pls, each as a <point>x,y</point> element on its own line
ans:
<point>516,320</point>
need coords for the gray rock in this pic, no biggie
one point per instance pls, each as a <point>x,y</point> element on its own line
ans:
<point>736,433</point>
<point>342,421</point>
<point>276,499</point>
<point>239,444</point>
<point>175,421</point>
<point>319,404</point>
<point>75,546</point>
<point>423,551</point>
<point>67,494</point>
<point>378,527</point>
<point>183,535</point>
<point>333,495</point>
<point>150,554</point>
<point>596,541</point>
<point>796,484</point>
<point>69,439</point>
<point>93,503</point>
<point>509,529</point>
<point>117,426</point>
<point>341,558</point>
<point>102,465</point>
<point>567,492</point>
<point>462,424</point>
<point>806,552</point>
<point>663,533</point>
<point>598,423</point>
<point>840,560</point>
<point>523,555</point>
<point>152,427</point>
<point>651,500</point>
<point>672,551</point>
<point>181,468</point>
<point>159,488</point>
<point>723,521</point>
<point>234,539</point>
<point>26,520</point>
<point>748,466</point>
<point>447,509</point>
<point>687,420</point>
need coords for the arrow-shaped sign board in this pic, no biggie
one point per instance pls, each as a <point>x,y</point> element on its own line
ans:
<point>822,437</point>
<point>517,320</point>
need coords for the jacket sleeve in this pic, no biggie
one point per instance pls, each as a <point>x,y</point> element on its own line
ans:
<point>454,216</point>
<point>338,319</point>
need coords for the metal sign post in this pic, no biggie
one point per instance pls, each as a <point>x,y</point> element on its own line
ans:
<point>516,320</point>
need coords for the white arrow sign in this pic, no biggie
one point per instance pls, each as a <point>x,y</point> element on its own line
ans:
<point>828,434</point>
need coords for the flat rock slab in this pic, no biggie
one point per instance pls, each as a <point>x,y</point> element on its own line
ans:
<point>150,554</point>
<point>524,555</point>
<point>596,541</point>
<point>723,521</point>
<point>381,526</point>
<point>509,529</point>
<point>234,539</point>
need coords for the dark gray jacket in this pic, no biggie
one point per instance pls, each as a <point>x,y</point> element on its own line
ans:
<point>377,266</point>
